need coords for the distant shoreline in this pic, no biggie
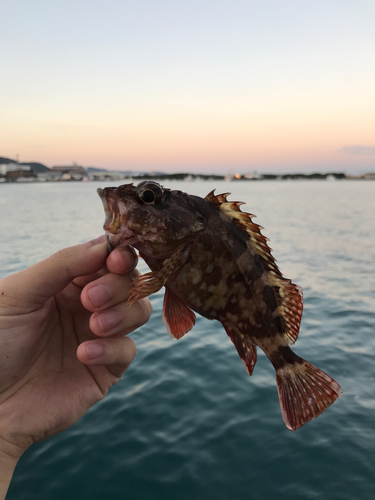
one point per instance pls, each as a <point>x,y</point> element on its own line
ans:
<point>13,171</point>
<point>193,177</point>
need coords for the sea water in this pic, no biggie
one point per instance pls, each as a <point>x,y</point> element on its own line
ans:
<point>186,421</point>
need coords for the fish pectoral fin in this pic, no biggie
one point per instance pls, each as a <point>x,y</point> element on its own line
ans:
<point>177,316</point>
<point>145,285</point>
<point>151,282</point>
<point>246,348</point>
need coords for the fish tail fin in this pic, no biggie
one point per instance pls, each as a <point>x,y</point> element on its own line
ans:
<point>304,391</point>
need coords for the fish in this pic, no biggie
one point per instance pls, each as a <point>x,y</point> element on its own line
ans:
<point>214,260</point>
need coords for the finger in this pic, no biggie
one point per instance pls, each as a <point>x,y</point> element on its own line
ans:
<point>121,319</point>
<point>33,286</point>
<point>82,281</point>
<point>122,260</point>
<point>109,290</point>
<point>116,353</point>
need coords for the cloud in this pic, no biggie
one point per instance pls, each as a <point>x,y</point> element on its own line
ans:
<point>359,150</point>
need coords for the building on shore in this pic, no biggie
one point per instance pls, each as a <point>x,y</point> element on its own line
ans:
<point>108,175</point>
<point>13,172</point>
<point>369,176</point>
<point>67,173</point>
<point>12,167</point>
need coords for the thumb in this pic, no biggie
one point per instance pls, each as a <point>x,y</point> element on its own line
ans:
<point>32,287</point>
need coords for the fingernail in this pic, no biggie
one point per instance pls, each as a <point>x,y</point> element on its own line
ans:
<point>108,320</point>
<point>94,351</point>
<point>130,258</point>
<point>99,295</point>
<point>100,240</point>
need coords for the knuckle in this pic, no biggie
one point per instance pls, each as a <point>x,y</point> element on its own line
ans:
<point>143,313</point>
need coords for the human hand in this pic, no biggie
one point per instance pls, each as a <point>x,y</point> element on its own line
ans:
<point>63,323</point>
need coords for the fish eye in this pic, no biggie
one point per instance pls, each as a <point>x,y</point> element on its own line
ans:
<point>147,196</point>
<point>150,193</point>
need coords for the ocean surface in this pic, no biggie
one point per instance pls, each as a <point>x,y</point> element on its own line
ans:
<point>186,421</point>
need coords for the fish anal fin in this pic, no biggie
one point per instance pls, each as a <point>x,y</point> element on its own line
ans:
<point>177,316</point>
<point>245,347</point>
<point>305,392</point>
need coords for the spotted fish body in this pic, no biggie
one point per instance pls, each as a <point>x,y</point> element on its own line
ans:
<point>211,258</point>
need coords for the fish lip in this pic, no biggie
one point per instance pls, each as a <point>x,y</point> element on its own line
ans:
<point>120,241</point>
<point>110,248</point>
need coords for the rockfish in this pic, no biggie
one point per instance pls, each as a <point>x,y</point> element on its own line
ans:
<point>213,259</point>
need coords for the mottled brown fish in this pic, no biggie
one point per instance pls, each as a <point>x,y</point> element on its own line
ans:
<point>211,258</point>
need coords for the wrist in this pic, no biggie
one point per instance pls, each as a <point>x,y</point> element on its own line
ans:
<point>7,466</point>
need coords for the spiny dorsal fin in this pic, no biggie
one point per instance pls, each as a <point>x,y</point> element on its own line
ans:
<point>244,222</point>
<point>216,199</point>
<point>289,296</point>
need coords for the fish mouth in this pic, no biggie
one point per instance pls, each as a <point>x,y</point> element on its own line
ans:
<point>115,222</point>
<point>111,210</point>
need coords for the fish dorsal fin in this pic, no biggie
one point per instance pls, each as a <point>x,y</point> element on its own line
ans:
<point>290,302</point>
<point>243,220</point>
<point>217,199</point>
<point>288,295</point>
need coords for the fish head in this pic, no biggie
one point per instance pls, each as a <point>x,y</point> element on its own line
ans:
<point>149,217</point>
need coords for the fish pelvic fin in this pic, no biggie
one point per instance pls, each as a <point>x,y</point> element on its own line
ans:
<point>304,390</point>
<point>246,348</point>
<point>177,316</point>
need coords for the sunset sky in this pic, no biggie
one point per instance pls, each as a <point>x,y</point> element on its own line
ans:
<point>189,85</point>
